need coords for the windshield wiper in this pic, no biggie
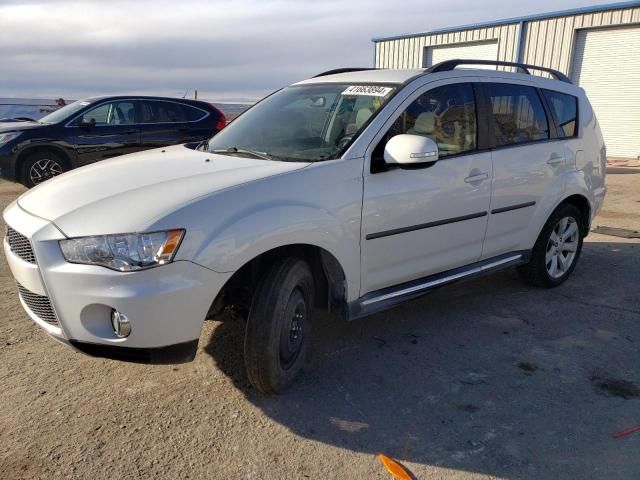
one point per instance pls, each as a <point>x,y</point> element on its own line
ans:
<point>261,155</point>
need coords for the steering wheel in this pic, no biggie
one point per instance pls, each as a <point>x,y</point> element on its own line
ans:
<point>343,141</point>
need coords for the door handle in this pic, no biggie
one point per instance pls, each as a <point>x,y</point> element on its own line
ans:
<point>555,159</point>
<point>130,132</point>
<point>478,177</point>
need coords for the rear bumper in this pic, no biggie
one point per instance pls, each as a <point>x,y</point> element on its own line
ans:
<point>165,305</point>
<point>598,199</point>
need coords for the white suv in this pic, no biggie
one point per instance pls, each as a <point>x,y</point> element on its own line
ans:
<point>351,191</point>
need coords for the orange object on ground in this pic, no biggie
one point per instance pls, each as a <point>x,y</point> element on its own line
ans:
<point>624,433</point>
<point>394,468</point>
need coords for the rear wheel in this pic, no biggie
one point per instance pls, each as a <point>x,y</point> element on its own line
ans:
<point>556,252</point>
<point>41,166</point>
<point>279,325</point>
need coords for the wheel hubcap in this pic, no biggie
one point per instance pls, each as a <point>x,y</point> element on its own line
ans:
<point>562,247</point>
<point>292,333</point>
<point>44,169</point>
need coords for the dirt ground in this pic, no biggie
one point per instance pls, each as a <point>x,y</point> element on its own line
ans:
<point>487,379</point>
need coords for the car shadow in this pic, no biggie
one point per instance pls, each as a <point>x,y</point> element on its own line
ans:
<point>489,376</point>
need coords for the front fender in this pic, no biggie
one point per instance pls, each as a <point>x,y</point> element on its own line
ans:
<point>271,226</point>
<point>318,206</point>
<point>62,147</point>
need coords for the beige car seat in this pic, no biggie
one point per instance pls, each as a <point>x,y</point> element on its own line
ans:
<point>425,125</point>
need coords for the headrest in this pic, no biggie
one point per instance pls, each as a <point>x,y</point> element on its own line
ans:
<point>425,123</point>
<point>362,116</point>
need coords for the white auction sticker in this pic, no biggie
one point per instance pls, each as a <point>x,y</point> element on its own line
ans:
<point>370,90</point>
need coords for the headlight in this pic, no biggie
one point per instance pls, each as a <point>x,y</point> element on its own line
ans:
<point>125,253</point>
<point>7,137</point>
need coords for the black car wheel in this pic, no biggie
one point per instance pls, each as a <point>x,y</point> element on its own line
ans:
<point>278,327</point>
<point>41,166</point>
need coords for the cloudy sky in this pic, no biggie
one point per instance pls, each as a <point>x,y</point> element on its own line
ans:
<point>227,49</point>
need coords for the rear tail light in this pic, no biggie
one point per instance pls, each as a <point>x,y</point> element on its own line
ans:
<point>222,120</point>
<point>221,123</point>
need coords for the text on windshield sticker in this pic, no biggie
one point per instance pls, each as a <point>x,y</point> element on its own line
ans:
<point>369,90</point>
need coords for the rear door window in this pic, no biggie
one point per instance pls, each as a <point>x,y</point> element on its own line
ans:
<point>564,109</point>
<point>517,113</point>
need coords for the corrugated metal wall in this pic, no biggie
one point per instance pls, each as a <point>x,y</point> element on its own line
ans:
<point>550,42</point>
<point>408,52</point>
<point>546,42</point>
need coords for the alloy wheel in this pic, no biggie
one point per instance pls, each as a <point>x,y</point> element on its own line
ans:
<point>44,169</point>
<point>562,247</point>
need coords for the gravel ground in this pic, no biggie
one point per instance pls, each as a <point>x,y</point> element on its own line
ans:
<point>487,379</point>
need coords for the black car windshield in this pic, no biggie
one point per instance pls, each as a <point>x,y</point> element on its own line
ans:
<point>64,112</point>
<point>303,123</point>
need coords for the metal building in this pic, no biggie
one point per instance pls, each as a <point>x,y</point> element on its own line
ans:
<point>597,47</point>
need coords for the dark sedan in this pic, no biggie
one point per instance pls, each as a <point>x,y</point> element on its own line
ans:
<point>95,129</point>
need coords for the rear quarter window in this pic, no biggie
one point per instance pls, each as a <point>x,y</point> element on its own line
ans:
<point>564,109</point>
<point>193,114</point>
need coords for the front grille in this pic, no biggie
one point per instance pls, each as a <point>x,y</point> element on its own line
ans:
<point>20,245</point>
<point>39,305</point>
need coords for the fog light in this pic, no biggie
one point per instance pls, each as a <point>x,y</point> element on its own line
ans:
<point>120,323</point>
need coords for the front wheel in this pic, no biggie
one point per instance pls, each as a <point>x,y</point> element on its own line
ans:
<point>279,325</point>
<point>41,166</point>
<point>556,252</point>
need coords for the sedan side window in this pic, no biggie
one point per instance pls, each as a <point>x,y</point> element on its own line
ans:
<point>445,114</point>
<point>518,114</point>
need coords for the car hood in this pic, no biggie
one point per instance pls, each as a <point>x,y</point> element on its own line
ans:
<point>15,126</point>
<point>132,192</point>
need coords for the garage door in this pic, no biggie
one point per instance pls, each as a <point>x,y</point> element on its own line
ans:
<point>606,65</point>
<point>477,51</point>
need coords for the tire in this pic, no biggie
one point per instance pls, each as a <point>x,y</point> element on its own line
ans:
<point>557,249</point>
<point>41,166</point>
<point>278,325</point>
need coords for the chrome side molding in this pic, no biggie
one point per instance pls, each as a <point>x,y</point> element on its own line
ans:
<point>443,280</point>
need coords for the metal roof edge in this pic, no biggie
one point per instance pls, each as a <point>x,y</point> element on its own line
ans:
<point>515,20</point>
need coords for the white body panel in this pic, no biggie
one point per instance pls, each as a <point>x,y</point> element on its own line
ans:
<point>522,175</point>
<point>234,209</point>
<point>402,198</point>
<point>134,191</point>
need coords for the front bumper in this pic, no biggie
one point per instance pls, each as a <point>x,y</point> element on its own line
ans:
<point>166,305</point>
<point>8,162</point>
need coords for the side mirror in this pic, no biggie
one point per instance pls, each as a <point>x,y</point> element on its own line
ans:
<point>87,123</point>
<point>410,151</point>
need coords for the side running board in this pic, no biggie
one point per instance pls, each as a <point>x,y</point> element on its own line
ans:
<point>385,298</point>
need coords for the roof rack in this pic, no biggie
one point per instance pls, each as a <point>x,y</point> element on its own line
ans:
<point>449,65</point>
<point>342,70</point>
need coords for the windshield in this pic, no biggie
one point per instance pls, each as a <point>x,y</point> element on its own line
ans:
<point>303,123</point>
<point>64,112</point>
